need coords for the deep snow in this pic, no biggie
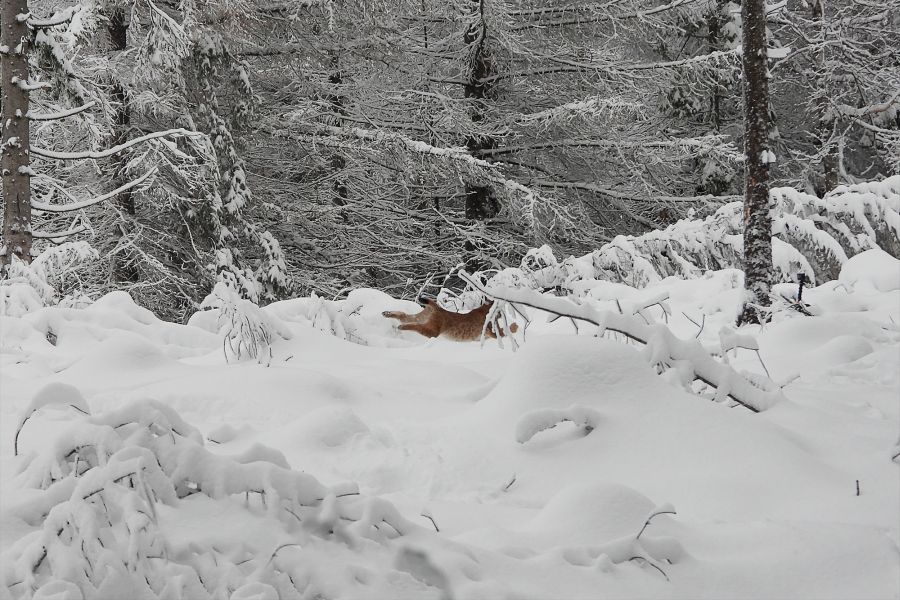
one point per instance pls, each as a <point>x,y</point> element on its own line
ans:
<point>461,437</point>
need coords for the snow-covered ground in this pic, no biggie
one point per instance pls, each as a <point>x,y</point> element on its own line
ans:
<point>799,501</point>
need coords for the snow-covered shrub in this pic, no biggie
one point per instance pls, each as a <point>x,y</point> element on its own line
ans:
<point>328,315</point>
<point>813,235</point>
<point>52,277</point>
<point>104,497</point>
<point>358,317</point>
<point>247,330</point>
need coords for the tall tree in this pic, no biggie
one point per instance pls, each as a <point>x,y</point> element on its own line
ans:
<point>758,271</point>
<point>838,93</point>
<point>15,160</point>
<point>555,107</point>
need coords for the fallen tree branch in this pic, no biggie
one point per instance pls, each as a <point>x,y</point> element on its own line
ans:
<point>662,344</point>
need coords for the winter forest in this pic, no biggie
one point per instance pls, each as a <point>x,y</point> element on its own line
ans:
<point>449,299</point>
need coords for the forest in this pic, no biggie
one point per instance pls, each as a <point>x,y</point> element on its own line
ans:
<point>324,146</point>
<point>452,299</point>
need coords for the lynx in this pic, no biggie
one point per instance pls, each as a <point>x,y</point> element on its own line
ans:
<point>433,321</point>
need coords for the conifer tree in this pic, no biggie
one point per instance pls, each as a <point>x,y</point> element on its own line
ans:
<point>757,262</point>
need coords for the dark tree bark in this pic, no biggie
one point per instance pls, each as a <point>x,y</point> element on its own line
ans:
<point>481,204</point>
<point>117,28</point>
<point>15,162</point>
<point>338,162</point>
<point>118,37</point>
<point>757,217</point>
<point>831,160</point>
<point>715,42</point>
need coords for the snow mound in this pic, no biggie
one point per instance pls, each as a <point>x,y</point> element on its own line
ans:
<point>874,266</point>
<point>330,426</point>
<point>557,371</point>
<point>843,349</point>
<point>590,514</point>
<point>536,421</point>
<point>123,356</point>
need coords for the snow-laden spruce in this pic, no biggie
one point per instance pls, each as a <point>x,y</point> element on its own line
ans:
<point>812,235</point>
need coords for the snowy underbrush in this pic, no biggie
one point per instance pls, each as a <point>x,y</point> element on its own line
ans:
<point>309,449</point>
<point>53,277</point>
<point>129,503</point>
<point>812,235</point>
<point>104,496</point>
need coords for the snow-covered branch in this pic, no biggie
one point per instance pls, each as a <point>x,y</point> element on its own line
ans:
<point>61,208</point>
<point>60,18</point>
<point>60,114</point>
<point>90,154</point>
<point>381,136</point>
<point>662,346</point>
<point>58,235</point>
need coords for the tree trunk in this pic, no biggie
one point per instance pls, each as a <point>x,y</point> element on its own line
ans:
<point>757,217</point>
<point>831,160</point>
<point>15,162</point>
<point>481,204</point>
<point>338,104</point>
<point>117,28</point>
<point>715,43</point>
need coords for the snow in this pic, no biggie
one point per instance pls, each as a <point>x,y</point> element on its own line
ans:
<point>357,461</point>
<point>874,267</point>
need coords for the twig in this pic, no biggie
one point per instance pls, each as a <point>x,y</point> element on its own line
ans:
<point>650,518</point>
<point>651,564</point>
<point>430,518</point>
<point>25,420</point>
<point>759,356</point>
<point>700,325</point>
<point>281,547</point>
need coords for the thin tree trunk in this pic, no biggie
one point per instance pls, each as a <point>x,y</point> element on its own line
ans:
<point>117,27</point>
<point>15,162</point>
<point>481,204</point>
<point>338,163</point>
<point>831,161</point>
<point>715,35</point>
<point>757,217</point>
